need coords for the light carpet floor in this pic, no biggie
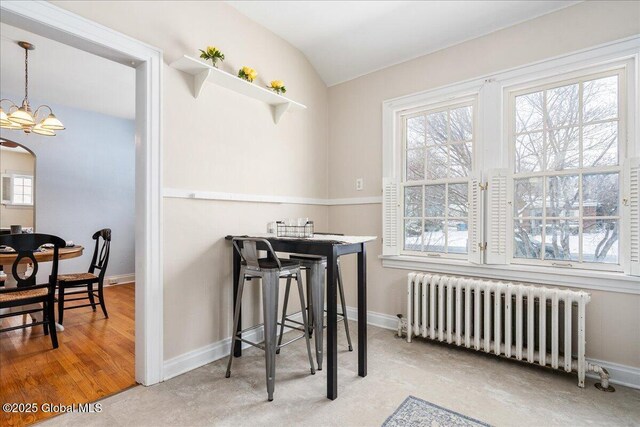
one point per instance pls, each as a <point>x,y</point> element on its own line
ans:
<point>489,389</point>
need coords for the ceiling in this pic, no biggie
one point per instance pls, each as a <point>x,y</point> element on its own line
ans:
<point>347,39</point>
<point>61,74</point>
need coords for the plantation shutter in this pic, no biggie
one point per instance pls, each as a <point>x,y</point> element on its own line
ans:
<point>390,204</point>
<point>498,199</point>
<point>7,189</point>
<point>475,220</point>
<point>632,211</point>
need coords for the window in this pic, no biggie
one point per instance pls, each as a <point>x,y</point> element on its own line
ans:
<point>531,174</point>
<point>22,190</point>
<point>17,190</point>
<point>438,157</point>
<point>567,177</point>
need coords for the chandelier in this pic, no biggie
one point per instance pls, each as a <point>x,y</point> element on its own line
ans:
<point>24,118</point>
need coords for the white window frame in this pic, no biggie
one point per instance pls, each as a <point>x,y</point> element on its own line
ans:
<point>401,117</point>
<point>615,69</point>
<point>495,155</point>
<point>12,202</point>
<point>13,192</point>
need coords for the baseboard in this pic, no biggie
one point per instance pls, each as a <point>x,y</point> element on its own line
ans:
<point>628,376</point>
<point>119,279</point>
<point>619,374</point>
<point>381,320</point>
<point>210,353</point>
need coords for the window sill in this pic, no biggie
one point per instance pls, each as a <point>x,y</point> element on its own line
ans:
<point>583,279</point>
<point>16,206</point>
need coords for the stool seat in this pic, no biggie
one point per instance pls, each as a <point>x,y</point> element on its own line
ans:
<point>271,264</point>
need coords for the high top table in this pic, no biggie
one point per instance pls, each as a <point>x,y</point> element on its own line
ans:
<point>332,247</point>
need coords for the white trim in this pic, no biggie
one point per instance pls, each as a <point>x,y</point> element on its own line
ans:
<point>381,320</point>
<point>620,374</point>
<point>625,375</point>
<point>181,193</point>
<point>59,24</point>
<point>119,279</point>
<point>492,144</point>
<point>204,355</point>
<point>210,353</point>
<point>582,279</point>
<point>373,200</point>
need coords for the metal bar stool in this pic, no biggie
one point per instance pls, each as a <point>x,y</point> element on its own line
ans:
<point>315,267</point>
<point>270,270</point>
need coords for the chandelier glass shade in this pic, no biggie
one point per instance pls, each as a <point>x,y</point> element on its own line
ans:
<point>24,118</point>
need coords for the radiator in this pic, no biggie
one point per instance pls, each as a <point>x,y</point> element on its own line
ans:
<point>525,322</point>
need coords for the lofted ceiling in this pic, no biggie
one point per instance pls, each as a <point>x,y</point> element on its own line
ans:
<point>347,39</point>
<point>61,74</point>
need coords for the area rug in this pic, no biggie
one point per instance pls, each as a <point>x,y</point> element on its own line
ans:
<point>414,412</point>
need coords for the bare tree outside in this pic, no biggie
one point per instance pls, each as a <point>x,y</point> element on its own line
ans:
<point>567,174</point>
<point>439,158</point>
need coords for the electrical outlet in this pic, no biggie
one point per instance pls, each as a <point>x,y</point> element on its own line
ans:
<point>359,184</point>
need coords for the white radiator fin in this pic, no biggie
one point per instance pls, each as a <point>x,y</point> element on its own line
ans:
<point>632,191</point>
<point>475,220</point>
<point>526,322</point>
<point>390,217</point>
<point>497,216</point>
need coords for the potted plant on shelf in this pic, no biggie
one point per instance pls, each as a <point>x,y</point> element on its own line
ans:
<point>277,86</point>
<point>248,74</point>
<point>213,54</point>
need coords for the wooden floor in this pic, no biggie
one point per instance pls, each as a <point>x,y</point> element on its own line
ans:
<point>95,358</point>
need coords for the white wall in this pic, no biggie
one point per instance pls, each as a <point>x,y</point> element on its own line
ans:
<point>355,124</point>
<point>85,180</point>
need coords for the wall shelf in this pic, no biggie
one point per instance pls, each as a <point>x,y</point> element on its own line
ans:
<point>202,73</point>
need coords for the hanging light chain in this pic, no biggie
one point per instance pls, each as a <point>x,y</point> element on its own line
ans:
<point>26,75</point>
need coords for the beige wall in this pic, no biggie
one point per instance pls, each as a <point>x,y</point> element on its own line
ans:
<point>355,126</point>
<point>226,142</point>
<point>12,161</point>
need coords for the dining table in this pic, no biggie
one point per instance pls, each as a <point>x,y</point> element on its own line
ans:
<point>7,258</point>
<point>331,246</point>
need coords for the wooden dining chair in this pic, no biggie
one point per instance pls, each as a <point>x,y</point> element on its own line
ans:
<point>87,280</point>
<point>27,291</point>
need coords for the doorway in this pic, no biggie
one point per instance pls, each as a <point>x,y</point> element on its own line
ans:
<point>57,24</point>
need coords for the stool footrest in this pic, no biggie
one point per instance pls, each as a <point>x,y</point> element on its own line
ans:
<point>258,345</point>
<point>261,344</point>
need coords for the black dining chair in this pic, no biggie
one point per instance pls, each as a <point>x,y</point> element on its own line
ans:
<point>87,280</point>
<point>27,291</point>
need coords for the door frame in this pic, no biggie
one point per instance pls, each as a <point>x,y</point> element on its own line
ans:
<point>51,21</point>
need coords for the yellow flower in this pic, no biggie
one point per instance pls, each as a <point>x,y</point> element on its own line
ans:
<point>277,84</point>
<point>211,50</point>
<point>249,73</point>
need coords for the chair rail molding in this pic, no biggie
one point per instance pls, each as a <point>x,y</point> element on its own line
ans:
<point>180,193</point>
<point>66,27</point>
